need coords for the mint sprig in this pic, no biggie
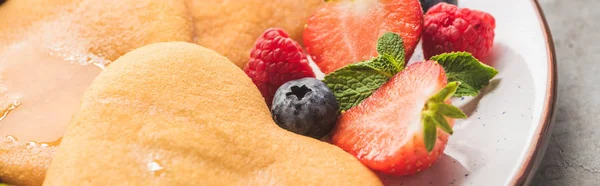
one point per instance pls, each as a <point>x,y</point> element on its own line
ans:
<point>391,47</point>
<point>464,68</point>
<point>467,76</point>
<point>354,83</point>
<point>435,112</point>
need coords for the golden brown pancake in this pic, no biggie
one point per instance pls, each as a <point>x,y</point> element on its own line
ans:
<point>36,53</point>
<point>231,27</point>
<point>181,114</point>
<point>43,44</point>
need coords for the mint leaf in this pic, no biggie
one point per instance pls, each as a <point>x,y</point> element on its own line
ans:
<point>355,82</point>
<point>391,47</point>
<point>466,69</point>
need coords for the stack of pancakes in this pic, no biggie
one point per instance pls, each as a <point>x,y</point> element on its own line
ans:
<point>163,114</point>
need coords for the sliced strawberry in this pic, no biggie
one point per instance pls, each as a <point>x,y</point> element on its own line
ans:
<point>346,31</point>
<point>390,131</point>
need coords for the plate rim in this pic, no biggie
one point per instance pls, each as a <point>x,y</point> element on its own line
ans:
<point>536,151</point>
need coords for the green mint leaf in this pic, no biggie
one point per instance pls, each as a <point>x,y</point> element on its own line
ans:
<point>464,68</point>
<point>446,92</point>
<point>450,111</point>
<point>466,90</point>
<point>429,132</point>
<point>382,66</point>
<point>355,82</point>
<point>391,47</point>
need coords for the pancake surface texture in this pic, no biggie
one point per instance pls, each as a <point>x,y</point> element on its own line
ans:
<point>181,114</point>
<point>49,45</point>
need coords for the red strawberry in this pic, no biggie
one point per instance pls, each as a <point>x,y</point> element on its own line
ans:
<point>343,32</point>
<point>388,131</point>
<point>275,60</point>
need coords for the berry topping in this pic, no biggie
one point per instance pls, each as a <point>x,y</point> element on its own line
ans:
<point>275,60</point>
<point>402,128</point>
<point>306,107</point>
<point>396,119</point>
<point>448,28</point>
<point>427,4</point>
<point>343,32</point>
<point>355,82</point>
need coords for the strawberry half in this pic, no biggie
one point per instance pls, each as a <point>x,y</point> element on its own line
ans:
<point>343,32</point>
<point>402,128</point>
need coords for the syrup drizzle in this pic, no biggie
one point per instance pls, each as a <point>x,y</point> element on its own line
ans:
<point>43,144</point>
<point>7,110</point>
<point>11,138</point>
<point>35,112</point>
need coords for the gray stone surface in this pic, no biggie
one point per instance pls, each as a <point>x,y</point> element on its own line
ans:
<point>573,155</point>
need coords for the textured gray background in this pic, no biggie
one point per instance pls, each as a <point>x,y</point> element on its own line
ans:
<point>573,155</point>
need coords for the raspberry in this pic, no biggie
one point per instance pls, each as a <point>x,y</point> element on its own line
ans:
<point>275,60</point>
<point>448,28</point>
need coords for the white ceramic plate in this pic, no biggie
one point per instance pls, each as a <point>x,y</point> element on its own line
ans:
<point>506,133</point>
<point>503,139</point>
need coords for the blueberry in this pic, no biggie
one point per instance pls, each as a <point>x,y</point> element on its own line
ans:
<point>305,106</point>
<point>2,1</point>
<point>426,4</point>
